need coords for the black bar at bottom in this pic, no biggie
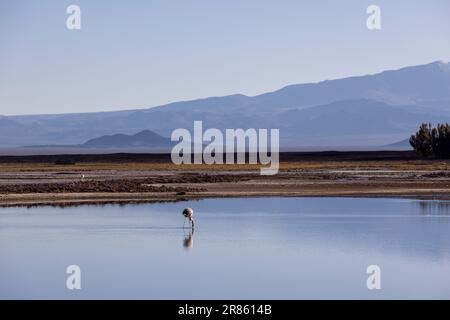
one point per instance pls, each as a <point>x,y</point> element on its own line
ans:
<point>223,309</point>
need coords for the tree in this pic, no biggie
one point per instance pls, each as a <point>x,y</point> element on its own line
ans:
<point>441,141</point>
<point>429,141</point>
<point>422,141</point>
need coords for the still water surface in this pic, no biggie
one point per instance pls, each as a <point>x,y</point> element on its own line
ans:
<point>254,248</point>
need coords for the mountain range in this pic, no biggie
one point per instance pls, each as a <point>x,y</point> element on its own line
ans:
<point>369,110</point>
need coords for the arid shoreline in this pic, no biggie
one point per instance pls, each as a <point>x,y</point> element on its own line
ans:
<point>45,180</point>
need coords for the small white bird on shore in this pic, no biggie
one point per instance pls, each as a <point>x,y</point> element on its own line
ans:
<point>188,213</point>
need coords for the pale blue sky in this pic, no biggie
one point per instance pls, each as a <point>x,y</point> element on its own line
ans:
<point>137,54</point>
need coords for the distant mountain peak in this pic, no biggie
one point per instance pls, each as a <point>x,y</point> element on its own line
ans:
<point>444,66</point>
<point>145,138</point>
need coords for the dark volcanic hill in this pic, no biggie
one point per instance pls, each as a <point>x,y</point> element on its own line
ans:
<point>144,138</point>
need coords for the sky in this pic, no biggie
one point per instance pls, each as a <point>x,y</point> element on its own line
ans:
<point>139,54</point>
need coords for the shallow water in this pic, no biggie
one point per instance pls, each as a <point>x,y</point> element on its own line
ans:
<point>253,248</point>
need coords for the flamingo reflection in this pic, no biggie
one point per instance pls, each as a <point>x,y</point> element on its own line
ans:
<point>188,241</point>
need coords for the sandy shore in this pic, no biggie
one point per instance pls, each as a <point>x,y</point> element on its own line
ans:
<point>89,181</point>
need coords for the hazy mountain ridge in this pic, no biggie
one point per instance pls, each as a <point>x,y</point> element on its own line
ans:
<point>401,145</point>
<point>144,138</point>
<point>365,110</point>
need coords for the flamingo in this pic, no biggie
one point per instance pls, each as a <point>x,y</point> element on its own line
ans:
<point>188,213</point>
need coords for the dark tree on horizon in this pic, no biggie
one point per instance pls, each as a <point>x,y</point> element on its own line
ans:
<point>432,142</point>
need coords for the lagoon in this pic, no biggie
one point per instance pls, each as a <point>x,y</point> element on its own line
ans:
<point>242,248</point>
